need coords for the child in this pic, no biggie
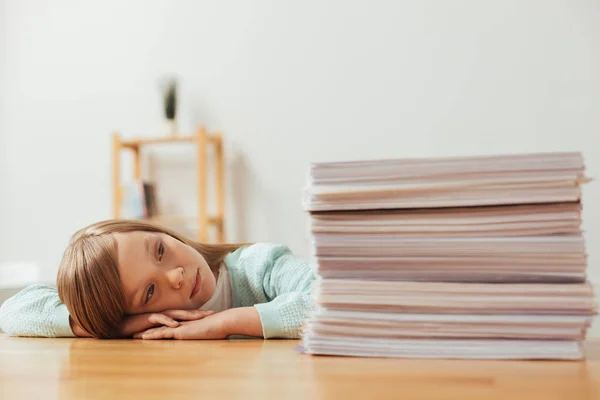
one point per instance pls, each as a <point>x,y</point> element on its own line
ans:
<point>122,278</point>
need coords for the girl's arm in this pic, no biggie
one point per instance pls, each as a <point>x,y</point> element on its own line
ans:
<point>35,311</point>
<point>286,282</point>
<point>277,284</point>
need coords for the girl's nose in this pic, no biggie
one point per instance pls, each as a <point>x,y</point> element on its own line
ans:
<point>175,277</point>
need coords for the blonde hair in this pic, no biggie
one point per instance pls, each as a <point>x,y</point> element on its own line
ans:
<point>88,279</point>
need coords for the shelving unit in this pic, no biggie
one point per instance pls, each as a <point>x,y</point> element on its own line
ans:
<point>201,140</point>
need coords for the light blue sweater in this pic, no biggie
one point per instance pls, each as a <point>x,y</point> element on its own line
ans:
<point>266,276</point>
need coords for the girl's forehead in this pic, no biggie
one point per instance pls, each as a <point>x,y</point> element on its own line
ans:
<point>134,237</point>
<point>132,245</point>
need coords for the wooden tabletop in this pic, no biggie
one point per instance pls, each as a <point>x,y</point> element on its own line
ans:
<point>256,369</point>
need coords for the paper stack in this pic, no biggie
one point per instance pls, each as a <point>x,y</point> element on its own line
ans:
<point>476,257</point>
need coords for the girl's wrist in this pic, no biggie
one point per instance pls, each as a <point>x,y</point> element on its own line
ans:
<point>240,321</point>
<point>227,323</point>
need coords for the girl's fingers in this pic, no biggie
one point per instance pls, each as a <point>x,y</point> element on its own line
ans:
<point>187,315</point>
<point>138,335</point>
<point>148,333</point>
<point>203,313</point>
<point>182,315</point>
<point>162,319</point>
<point>155,333</point>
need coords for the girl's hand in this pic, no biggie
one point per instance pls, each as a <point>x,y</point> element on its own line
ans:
<point>210,327</point>
<point>243,321</point>
<point>141,322</point>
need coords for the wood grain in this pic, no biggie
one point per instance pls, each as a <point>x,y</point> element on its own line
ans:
<point>257,369</point>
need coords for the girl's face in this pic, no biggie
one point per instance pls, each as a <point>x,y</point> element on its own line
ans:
<point>158,273</point>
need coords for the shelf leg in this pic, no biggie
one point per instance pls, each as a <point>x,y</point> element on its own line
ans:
<point>201,141</point>
<point>220,187</point>
<point>116,170</point>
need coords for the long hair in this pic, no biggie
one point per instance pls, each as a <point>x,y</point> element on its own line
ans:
<point>88,279</point>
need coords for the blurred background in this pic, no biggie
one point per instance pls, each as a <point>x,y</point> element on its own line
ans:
<point>287,83</point>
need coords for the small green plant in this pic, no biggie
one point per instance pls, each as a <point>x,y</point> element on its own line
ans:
<point>170,99</point>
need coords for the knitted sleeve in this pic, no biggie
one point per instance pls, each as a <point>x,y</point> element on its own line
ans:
<point>35,311</point>
<point>287,285</point>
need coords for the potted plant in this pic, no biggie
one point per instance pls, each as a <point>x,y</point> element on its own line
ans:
<point>170,104</point>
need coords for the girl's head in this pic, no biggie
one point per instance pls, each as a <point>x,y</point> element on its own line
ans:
<point>118,267</point>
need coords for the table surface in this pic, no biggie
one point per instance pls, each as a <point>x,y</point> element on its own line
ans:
<point>131,369</point>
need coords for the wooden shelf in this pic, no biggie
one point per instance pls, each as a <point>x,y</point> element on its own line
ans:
<point>201,140</point>
<point>178,219</point>
<point>136,143</point>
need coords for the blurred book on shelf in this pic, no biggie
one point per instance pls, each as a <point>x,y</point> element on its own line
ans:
<point>139,200</point>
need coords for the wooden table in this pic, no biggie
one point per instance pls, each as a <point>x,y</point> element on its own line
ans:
<point>256,369</point>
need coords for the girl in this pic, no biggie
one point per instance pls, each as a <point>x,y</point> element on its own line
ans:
<point>121,278</point>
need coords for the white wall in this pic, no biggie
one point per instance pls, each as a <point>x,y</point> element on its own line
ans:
<point>3,146</point>
<point>288,83</point>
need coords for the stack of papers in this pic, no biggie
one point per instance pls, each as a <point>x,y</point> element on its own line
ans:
<point>476,257</point>
<point>445,182</point>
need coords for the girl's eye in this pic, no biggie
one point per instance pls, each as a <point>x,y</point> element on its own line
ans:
<point>161,251</point>
<point>149,293</point>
